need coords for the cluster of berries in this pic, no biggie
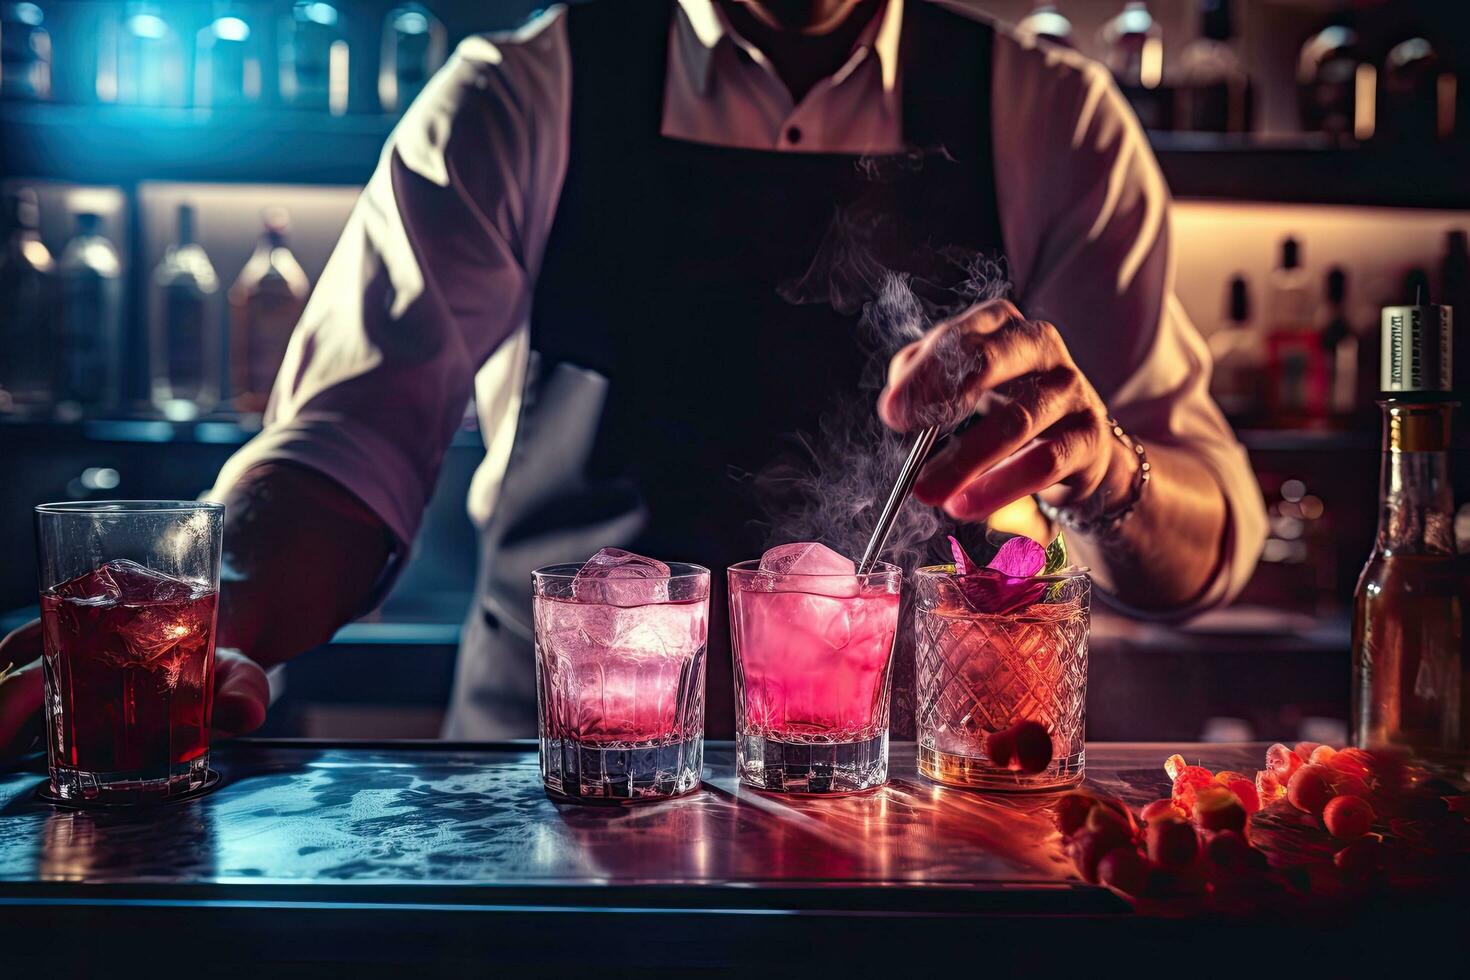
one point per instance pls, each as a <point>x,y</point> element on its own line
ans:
<point>1197,841</point>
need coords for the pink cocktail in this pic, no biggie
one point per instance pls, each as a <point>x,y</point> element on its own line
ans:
<point>620,645</point>
<point>813,650</point>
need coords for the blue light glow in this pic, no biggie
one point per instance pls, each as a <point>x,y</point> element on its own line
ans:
<point>411,22</point>
<point>150,26</point>
<point>29,13</point>
<point>318,13</point>
<point>231,29</point>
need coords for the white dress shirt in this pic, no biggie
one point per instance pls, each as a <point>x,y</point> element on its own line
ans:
<point>428,293</point>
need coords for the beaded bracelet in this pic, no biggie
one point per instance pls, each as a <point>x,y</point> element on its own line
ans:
<point>1105,520</point>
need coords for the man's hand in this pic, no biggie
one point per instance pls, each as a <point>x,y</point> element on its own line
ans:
<point>1039,427</point>
<point>241,691</point>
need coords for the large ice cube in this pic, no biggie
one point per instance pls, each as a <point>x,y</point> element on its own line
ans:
<point>809,566</point>
<point>125,582</point>
<point>622,578</point>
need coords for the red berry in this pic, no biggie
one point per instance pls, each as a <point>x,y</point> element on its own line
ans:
<point>1283,762</point>
<point>1090,846</point>
<point>1161,809</point>
<point>1112,815</point>
<point>1216,808</point>
<point>1310,789</point>
<point>1304,750</point>
<point>1322,755</point>
<point>1172,843</point>
<point>1362,858</point>
<point>1352,762</point>
<point>1348,816</point>
<point>1245,791</point>
<point>1229,851</point>
<point>1187,784</point>
<point>1001,747</point>
<point>1072,810</point>
<point>1033,747</point>
<point>1124,869</point>
<point>1269,787</point>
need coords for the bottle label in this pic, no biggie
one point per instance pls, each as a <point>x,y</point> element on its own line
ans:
<point>1417,352</point>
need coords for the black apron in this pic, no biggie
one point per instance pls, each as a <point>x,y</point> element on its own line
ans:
<point>667,367</point>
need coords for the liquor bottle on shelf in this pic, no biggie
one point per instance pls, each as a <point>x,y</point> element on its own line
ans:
<point>1330,71</point>
<point>89,372</point>
<point>25,52</point>
<point>1212,91</point>
<point>150,58</point>
<point>1239,357</point>
<point>227,59</point>
<point>1412,602</point>
<point>1455,291</point>
<point>265,303</point>
<point>1340,346</point>
<point>414,46</point>
<point>1411,90</point>
<point>26,281</point>
<point>184,328</point>
<point>314,58</point>
<point>1046,23</point>
<point>1297,365</point>
<point>1133,45</point>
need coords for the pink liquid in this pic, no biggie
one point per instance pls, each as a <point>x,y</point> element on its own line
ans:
<point>621,676</point>
<point>813,668</point>
<point>129,659</point>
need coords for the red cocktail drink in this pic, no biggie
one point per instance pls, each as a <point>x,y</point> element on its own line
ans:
<point>131,652</point>
<point>129,648</point>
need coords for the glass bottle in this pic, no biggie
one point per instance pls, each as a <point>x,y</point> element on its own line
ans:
<point>184,327</point>
<point>1340,347</point>
<point>314,58</point>
<point>89,374</point>
<point>1296,364</point>
<point>1046,23</point>
<point>227,59</point>
<point>414,46</point>
<point>150,58</point>
<point>26,282</point>
<point>1410,93</point>
<point>1133,50</point>
<point>266,301</point>
<point>1212,90</point>
<point>1327,80</point>
<point>1411,603</point>
<point>1455,291</point>
<point>1239,357</point>
<point>25,52</point>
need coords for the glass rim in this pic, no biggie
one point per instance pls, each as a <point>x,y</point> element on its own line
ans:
<point>95,507</point>
<point>567,570</point>
<point>753,567</point>
<point>1065,575</point>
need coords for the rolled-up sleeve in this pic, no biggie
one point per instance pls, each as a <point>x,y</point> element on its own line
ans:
<point>433,272</point>
<point>1085,214</point>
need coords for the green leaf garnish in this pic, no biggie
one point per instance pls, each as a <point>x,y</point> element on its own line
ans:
<point>1056,555</point>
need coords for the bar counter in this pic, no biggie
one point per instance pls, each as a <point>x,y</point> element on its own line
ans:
<point>390,855</point>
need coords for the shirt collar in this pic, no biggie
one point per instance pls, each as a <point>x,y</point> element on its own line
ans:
<point>703,27</point>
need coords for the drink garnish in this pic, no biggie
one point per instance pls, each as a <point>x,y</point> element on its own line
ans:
<point>1008,582</point>
<point>1056,555</point>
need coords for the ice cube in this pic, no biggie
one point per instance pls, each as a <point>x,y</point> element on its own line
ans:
<point>822,570</point>
<point>622,578</point>
<point>123,581</point>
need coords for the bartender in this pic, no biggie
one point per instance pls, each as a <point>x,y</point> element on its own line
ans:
<point>591,224</point>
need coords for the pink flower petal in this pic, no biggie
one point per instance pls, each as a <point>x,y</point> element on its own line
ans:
<point>963,563</point>
<point>1019,557</point>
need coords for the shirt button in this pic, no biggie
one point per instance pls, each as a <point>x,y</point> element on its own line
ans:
<point>793,135</point>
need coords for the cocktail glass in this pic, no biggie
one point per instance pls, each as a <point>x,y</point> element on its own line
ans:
<point>813,662</point>
<point>982,673</point>
<point>128,597</point>
<point>620,680</point>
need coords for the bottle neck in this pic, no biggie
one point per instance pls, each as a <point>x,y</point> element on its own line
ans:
<point>1415,495</point>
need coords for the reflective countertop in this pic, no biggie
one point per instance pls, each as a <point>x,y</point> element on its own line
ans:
<point>392,822</point>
